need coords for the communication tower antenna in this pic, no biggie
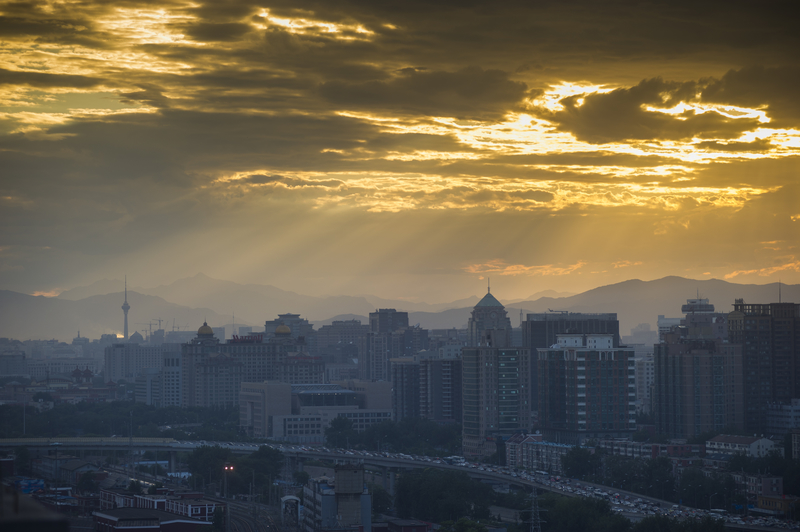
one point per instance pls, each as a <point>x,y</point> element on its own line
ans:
<point>536,519</point>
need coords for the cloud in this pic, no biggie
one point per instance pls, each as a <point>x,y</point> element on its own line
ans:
<point>773,88</point>
<point>467,93</point>
<point>47,80</point>
<point>623,115</point>
<point>210,32</point>
<point>626,264</point>
<point>793,266</point>
<point>501,267</point>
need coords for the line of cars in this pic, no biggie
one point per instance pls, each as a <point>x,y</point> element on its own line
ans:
<point>628,504</point>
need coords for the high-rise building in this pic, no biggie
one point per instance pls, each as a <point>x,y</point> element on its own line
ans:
<point>389,337</point>
<point>495,397</point>
<point>217,381</point>
<point>405,388</point>
<point>698,386</point>
<point>127,360</point>
<point>489,324</point>
<point>541,330</point>
<point>698,374</point>
<point>340,339</point>
<point>440,389</point>
<point>300,329</point>
<point>586,389</point>
<point>770,338</point>
<point>386,320</point>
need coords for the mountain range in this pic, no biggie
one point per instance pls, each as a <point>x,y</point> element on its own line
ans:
<point>186,303</point>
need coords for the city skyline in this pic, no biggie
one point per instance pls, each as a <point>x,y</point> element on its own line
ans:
<point>406,151</point>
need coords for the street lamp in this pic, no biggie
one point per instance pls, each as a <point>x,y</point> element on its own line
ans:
<point>709,499</point>
<point>227,467</point>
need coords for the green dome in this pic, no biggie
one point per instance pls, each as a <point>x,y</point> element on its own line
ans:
<point>489,301</point>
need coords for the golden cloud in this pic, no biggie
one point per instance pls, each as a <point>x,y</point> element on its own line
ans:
<point>766,272</point>
<point>501,267</point>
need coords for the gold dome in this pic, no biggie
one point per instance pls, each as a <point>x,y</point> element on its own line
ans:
<point>282,329</point>
<point>205,330</point>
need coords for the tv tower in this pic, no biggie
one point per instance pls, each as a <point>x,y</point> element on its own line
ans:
<point>125,308</point>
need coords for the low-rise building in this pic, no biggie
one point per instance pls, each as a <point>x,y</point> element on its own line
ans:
<point>747,445</point>
<point>145,520</point>
<point>300,413</point>
<point>338,504</point>
<point>782,418</point>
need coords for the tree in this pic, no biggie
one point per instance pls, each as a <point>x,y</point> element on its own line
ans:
<point>86,483</point>
<point>662,523</point>
<point>579,462</point>
<point>582,514</point>
<point>206,462</point>
<point>42,396</point>
<point>462,525</point>
<point>340,432</point>
<point>301,477</point>
<point>381,499</point>
<point>218,523</point>
<point>135,487</point>
<point>23,459</point>
<point>441,495</point>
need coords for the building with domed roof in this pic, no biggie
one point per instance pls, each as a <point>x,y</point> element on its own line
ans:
<point>496,381</point>
<point>489,324</point>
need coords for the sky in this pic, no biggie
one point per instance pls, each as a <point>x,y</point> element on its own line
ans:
<point>401,149</point>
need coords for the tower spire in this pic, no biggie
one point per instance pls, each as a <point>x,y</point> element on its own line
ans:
<point>488,285</point>
<point>125,308</point>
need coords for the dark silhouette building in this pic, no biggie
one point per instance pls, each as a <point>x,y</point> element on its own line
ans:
<point>770,338</point>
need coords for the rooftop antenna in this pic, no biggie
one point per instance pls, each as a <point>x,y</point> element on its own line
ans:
<point>779,291</point>
<point>125,308</point>
<point>489,285</point>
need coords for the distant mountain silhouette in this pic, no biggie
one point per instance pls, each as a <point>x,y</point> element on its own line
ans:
<point>189,301</point>
<point>26,317</point>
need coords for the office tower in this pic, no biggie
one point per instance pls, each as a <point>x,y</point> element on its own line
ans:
<point>770,338</point>
<point>698,386</point>
<point>386,320</point>
<point>386,339</point>
<point>440,389</point>
<point>300,329</point>
<point>339,340</point>
<point>171,375</point>
<point>541,330</point>
<point>405,388</point>
<point>698,374</point>
<point>489,324</point>
<point>495,397</point>
<point>586,389</point>
<point>126,360</point>
<point>702,322</point>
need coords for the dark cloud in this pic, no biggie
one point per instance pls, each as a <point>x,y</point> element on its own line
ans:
<point>622,115</point>
<point>467,93</point>
<point>210,32</point>
<point>756,145</point>
<point>46,80</point>
<point>773,88</point>
<point>260,179</point>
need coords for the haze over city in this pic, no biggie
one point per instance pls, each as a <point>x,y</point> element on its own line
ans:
<point>403,150</point>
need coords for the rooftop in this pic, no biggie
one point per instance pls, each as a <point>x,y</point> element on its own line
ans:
<point>489,301</point>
